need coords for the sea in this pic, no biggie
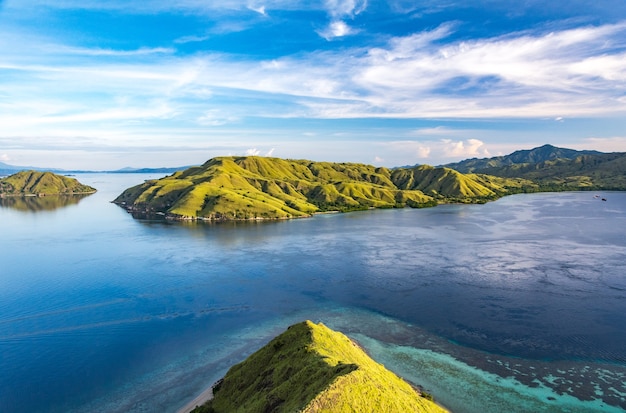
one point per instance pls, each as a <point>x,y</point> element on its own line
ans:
<point>517,305</point>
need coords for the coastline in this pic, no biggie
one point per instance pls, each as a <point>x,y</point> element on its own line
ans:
<point>202,398</point>
<point>41,195</point>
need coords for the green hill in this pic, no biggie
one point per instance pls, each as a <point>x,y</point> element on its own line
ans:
<point>29,183</point>
<point>310,368</point>
<point>235,188</point>
<point>554,169</point>
<point>528,156</point>
<point>591,172</point>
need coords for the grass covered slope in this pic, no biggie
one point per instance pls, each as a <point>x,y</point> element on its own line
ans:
<point>554,169</point>
<point>310,368</point>
<point>530,156</point>
<point>27,183</point>
<point>230,188</point>
<point>591,172</point>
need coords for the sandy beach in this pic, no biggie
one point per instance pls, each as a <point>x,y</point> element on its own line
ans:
<point>198,401</point>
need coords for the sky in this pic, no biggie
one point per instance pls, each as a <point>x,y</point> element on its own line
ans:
<point>92,84</point>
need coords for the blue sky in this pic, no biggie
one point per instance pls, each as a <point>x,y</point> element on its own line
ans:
<point>107,84</point>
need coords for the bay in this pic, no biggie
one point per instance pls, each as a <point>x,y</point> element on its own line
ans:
<point>515,304</point>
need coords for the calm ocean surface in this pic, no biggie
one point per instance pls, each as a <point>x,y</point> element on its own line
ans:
<point>518,305</point>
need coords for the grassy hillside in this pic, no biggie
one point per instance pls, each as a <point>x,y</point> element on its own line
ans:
<point>554,169</point>
<point>26,183</point>
<point>310,368</point>
<point>529,156</point>
<point>271,188</point>
<point>602,171</point>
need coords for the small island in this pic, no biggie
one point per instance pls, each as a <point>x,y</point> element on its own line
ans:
<point>310,368</point>
<point>256,188</point>
<point>35,183</point>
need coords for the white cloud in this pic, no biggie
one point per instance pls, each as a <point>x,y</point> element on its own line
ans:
<point>464,149</point>
<point>5,158</point>
<point>111,52</point>
<point>519,75</point>
<point>155,93</point>
<point>191,39</point>
<point>341,8</point>
<point>423,152</point>
<point>418,149</point>
<point>338,11</point>
<point>439,151</point>
<point>336,29</point>
<point>258,9</point>
<point>551,75</point>
<point>610,68</point>
<point>436,131</point>
<point>215,117</point>
<point>257,152</point>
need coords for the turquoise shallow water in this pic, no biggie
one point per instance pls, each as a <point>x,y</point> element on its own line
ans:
<point>520,302</point>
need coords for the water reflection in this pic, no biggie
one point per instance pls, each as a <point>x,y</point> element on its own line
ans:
<point>41,203</point>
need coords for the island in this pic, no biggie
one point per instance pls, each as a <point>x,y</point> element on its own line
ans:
<point>254,188</point>
<point>37,183</point>
<point>310,368</point>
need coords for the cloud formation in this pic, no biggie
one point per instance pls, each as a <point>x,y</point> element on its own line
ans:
<point>433,151</point>
<point>336,29</point>
<point>470,148</point>
<point>404,76</point>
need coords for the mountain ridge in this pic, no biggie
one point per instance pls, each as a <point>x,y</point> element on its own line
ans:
<point>242,188</point>
<point>556,169</point>
<point>6,169</point>
<point>539,154</point>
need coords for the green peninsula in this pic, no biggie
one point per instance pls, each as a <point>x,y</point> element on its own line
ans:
<point>311,368</point>
<point>35,183</point>
<point>245,188</point>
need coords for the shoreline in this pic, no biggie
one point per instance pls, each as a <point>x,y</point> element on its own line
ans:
<point>41,195</point>
<point>199,400</point>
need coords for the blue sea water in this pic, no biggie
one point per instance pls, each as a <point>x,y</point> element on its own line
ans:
<point>516,305</point>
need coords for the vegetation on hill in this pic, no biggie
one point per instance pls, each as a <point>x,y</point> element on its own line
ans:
<point>530,156</point>
<point>230,188</point>
<point>586,172</point>
<point>557,169</point>
<point>311,368</point>
<point>29,183</point>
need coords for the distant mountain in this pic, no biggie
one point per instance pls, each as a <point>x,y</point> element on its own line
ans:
<point>239,188</point>
<point>128,170</point>
<point>312,369</point>
<point>6,169</point>
<point>531,156</point>
<point>592,172</point>
<point>555,169</point>
<point>25,183</point>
